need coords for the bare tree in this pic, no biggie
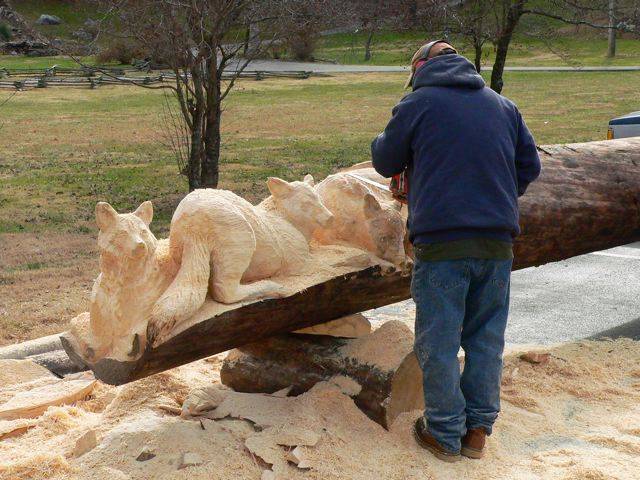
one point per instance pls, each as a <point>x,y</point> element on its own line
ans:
<point>611,47</point>
<point>497,20</point>
<point>201,42</point>
<point>473,21</point>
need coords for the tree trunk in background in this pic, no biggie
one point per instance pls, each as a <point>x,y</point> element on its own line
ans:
<point>367,46</point>
<point>511,20</point>
<point>195,154</point>
<point>477,59</point>
<point>611,50</point>
<point>210,161</point>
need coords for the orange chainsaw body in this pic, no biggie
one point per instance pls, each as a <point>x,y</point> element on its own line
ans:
<point>399,187</point>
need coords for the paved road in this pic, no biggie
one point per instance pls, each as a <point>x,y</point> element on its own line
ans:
<point>279,66</point>
<point>577,298</point>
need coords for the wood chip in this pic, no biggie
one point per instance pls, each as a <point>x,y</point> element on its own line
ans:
<point>35,402</point>
<point>535,358</point>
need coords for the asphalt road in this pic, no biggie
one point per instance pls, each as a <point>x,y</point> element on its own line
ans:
<point>592,295</point>
<point>318,67</point>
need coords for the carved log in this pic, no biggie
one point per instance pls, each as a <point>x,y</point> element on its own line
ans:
<point>382,364</point>
<point>587,199</point>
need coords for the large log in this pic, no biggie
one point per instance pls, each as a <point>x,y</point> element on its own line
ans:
<point>587,199</point>
<point>382,364</point>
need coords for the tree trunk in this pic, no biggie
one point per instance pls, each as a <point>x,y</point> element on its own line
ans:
<point>367,46</point>
<point>210,161</point>
<point>195,153</point>
<point>390,384</point>
<point>502,44</point>
<point>611,49</point>
<point>587,199</point>
<point>477,59</point>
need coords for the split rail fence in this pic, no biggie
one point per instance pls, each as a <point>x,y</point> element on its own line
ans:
<point>90,77</point>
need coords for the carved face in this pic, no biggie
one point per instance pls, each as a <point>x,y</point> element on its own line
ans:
<point>300,202</point>
<point>125,236</point>
<point>386,229</point>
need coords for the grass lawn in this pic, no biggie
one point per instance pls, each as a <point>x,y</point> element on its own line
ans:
<point>66,149</point>
<point>396,48</point>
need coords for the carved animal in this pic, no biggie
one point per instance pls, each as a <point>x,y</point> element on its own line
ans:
<point>218,242</point>
<point>364,215</point>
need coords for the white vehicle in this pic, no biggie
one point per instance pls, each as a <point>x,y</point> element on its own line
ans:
<point>624,126</point>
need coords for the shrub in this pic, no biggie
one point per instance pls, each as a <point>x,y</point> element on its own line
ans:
<point>5,32</point>
<point>302,43</point>
<point>121,51</point>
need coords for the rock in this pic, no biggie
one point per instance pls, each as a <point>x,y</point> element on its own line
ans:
<point>145,454</point>
<point>535,358</point>
<point>189,459</point>
<point>85,443</point>
<point>48,20</point>
<point>82,35</point>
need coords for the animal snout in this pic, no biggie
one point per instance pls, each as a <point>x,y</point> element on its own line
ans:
<point>140,249</point>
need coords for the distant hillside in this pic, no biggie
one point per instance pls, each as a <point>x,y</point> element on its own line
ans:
<point>73,14</point>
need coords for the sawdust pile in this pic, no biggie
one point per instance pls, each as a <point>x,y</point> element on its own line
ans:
<point>575,416</point>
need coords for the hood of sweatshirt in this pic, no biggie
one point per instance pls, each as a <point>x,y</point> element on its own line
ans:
<point>448,71</point>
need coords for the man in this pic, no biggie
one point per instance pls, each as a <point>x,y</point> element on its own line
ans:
<point>468,155</point>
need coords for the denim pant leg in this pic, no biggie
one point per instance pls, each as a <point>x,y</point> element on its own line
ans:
<point>483,340</point>
<point>439,290</point>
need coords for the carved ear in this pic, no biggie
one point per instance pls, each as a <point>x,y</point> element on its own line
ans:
<point>278,187</point>
<point>308,179</point>
<point>106,216</point>
<point>371,206</point>
<point>145,212</point>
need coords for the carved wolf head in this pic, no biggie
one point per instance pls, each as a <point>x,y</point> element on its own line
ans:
<point>300,203</point>
<point>385,226</point>
<point>124,237</point>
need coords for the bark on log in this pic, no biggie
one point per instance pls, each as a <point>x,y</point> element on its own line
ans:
<point>57,362</point>
<point>32,347</point>
<point>587,199</point>
<point>389,384</point>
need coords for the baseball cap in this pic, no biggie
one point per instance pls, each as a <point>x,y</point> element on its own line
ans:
<point>421,54</point>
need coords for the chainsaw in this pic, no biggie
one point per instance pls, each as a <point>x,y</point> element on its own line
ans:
<point>398,187</point>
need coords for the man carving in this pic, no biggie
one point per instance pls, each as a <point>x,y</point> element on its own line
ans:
<point>468,156</point>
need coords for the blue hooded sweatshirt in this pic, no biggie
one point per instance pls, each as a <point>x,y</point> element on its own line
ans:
<point>468,153</point>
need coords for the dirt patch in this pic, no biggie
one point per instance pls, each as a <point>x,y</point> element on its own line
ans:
<point>45,280</point>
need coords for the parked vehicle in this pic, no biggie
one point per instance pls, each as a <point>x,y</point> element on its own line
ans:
<point>624,126</point>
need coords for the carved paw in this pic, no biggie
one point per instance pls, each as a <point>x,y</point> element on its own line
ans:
<point>271,289</point>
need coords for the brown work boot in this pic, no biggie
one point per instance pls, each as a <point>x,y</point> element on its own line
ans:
<point>426,440</point>
<point>473,443</point>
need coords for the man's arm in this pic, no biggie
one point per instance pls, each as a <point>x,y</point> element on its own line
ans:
<point>527,159</point>
<point>391,150</point>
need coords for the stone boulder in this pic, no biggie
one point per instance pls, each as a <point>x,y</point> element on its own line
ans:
<point>48,20</point>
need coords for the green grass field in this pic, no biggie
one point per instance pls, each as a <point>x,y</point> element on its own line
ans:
<point>66,149</point>
<point>396,48</point>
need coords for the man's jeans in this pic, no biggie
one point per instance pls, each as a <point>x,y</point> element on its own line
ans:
<point>460,303</point>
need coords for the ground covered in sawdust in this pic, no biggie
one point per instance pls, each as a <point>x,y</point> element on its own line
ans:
<point>575,417</point>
